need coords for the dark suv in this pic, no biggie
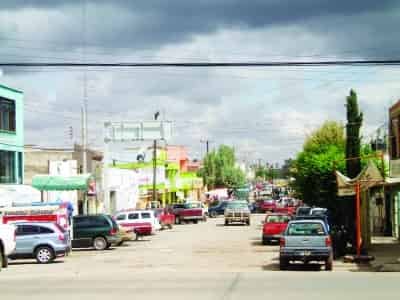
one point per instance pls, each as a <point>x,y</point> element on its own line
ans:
<point>97,231</point>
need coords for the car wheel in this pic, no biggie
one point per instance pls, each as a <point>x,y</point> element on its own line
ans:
<point>213,214</point>
<point>226,223</point>
<point>248,222</point>
<point>2,258</point>
<point>195,222</point>
<point>265,242</point>
<point>177,220</point>
<point>283,264</point>
<point>329,264</point>
<point>44,255</point>
<point>99,243</point>
<point>169,226</point>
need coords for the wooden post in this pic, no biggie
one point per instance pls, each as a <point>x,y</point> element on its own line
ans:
<point>358,219</point>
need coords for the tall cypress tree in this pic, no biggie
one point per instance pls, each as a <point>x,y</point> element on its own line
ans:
<point>353,151</point>
<point>353,140</point>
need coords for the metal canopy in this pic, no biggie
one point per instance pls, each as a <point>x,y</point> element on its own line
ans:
<point>62,183</point>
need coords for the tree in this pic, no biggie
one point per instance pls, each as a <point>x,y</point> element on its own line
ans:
<point>313,169</point>
<point>353,159</point>
<point>219,169</point>
<point>353,140</point>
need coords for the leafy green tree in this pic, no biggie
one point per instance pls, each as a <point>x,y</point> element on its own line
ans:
<point>219,169</point>
<point>313,169</point>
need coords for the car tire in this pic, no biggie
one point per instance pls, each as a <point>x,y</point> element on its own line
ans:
<point>226,223</point>
<point>177,220</point>
<point>2,259</point>
<point>283,264</point>
<point>100,243</point>
<point>213,214</point>
<point>329,264</point>
<point>170,226</point>
<point>248,222</point>
<point>44,255</point>
<point>265,242</point>
<point>195,222</point>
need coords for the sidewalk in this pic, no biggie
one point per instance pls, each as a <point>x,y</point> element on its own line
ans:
<point>386,251</point>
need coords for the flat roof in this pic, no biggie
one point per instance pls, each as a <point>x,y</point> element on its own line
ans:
<point>10,89</point>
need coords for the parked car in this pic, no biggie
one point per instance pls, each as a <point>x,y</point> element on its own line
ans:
<point>165,218</point>
<point>254,207</point>
<point>43,241</point>
<point>7,243</point>
<point>237,211</point>
<point>303,211</point>
<point>97,231</point>
<point>187,212</point>
<point>140,222</point>
<point>274,225</point>
<point>268,205</point>
<point>306,241</point>
<point>217,209</point>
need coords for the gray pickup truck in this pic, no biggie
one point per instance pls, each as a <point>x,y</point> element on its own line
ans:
<point>306,241</point>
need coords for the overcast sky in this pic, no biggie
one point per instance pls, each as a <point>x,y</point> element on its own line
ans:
<point>264,112</point>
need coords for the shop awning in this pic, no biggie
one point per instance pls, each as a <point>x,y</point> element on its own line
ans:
<point>62,183</point>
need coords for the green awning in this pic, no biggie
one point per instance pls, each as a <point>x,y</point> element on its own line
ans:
<point>61,183</point>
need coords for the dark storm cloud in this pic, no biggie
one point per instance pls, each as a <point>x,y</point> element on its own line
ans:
<point>154,23</point>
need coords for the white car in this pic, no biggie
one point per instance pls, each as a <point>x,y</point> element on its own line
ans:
<point>134,219</point>
<point>7,243</point>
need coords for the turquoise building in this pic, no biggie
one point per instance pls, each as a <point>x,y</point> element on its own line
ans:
<point>11,136</point>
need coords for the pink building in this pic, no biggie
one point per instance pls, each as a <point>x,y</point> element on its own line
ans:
<point>178,155</point>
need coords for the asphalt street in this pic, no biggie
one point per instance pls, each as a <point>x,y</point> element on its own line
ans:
<point>203,261</point>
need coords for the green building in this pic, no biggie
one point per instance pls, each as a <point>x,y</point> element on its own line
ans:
<point>11,136</point>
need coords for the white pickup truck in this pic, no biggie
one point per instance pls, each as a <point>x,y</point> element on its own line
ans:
<point>7,243</point>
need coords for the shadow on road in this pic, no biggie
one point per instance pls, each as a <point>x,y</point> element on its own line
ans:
<point>31,262</point>
<point>293,267</point>
<point>232,225</point>
<point>92,250</point>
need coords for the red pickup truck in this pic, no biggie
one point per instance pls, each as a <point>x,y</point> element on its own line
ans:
<point>274,225</point>
<point>165,217</point>
<point>188,212</point>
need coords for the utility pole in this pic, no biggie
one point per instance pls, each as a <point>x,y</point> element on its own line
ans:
<point>207,142</point>
<point>85,96</point>
<point>154,198</point>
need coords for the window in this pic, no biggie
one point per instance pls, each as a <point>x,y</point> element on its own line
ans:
<point>27,230</point>
<point>45,230</point>
<point>81,222</point>
<point>7,114</point>
<point>308,229</point>
<point>146,215</point>
<point>134,216</point>
<point>121,217</point>
<point>7,166</point>
<point>99,221</point>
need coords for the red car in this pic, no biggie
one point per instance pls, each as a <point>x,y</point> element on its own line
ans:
<point>268,205</point>
<point>275,224</point>
<point>289,210</point>
<point>165,217</point>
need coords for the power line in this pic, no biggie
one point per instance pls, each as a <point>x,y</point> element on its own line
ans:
<point>392,62</point>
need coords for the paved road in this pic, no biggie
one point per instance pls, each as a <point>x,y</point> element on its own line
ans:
<point>204,261</point>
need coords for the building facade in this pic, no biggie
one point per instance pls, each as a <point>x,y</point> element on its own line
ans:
<point>392,190</point>
<point>11,136</point>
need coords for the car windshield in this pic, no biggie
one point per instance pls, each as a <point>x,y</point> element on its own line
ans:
<point>193,205</point>
<point>307,229</point>
<point>235,205</point>
<point>277,219</point>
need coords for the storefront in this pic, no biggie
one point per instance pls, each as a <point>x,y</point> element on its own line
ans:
<point>11,136</point>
